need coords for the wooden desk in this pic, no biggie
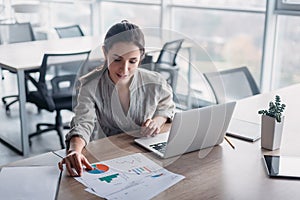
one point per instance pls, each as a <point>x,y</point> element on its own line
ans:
<point>20,57</point>
<point>219,172</point>
<point>214,173</point>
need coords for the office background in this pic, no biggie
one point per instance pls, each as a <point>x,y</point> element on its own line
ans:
<point>259,34</point>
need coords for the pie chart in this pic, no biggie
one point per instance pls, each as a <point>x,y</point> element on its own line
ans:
<point>98,169</point>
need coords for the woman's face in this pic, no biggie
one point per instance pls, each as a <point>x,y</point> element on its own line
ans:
<point>122,59</point>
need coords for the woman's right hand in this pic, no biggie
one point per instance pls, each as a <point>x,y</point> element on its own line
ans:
<point>74,163</point>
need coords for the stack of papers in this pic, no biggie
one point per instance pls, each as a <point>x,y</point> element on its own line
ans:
<point>29,182</point>
<point>129,177</point>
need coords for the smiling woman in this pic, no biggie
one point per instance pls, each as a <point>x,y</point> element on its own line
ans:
<point>123,59</point>
<point>119,96</point>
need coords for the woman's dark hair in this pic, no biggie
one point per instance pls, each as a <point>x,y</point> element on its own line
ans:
<point>125,32</point>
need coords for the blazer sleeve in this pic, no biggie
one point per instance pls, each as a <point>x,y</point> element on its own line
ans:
<point>83,122</point>
<point>166,105</point>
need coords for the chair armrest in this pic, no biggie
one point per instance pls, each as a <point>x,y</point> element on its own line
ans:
<point>153,54</point>
<point>165,67</point>
<point>57,81</point>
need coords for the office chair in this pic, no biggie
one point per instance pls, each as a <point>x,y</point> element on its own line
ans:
<point>14,33</point>
<point>69,31</point>
<point>75,31</point>
<point>232,84</point>
<point>55,88</point>
<point>166,62</point>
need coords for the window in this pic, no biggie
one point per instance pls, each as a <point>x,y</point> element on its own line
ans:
<point>289,5</point>
<point>286,43</point>
<point>229,4</point>
<point>135,1</point>
<point>60,15</point>
<point>143,15</point>
<point>230,31</point>
<point>228,40</point>
<point>286,65</point>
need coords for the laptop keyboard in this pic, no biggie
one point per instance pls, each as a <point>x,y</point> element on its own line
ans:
<point>161,147</point>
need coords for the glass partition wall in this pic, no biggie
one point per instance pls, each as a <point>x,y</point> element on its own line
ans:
<point>233,33</point>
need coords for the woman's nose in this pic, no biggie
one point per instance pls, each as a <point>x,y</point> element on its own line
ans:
<point>125,66</point>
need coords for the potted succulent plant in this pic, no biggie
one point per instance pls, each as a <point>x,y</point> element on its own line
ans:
<point>272,124</point>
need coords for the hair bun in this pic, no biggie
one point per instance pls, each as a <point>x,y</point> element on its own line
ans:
<point>124,21</point>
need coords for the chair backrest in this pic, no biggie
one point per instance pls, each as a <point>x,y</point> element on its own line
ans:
<point>57,79</point>
<point>69,31</point>
<point>232,84</point>
<point>169,52</point>
<point>17,32</point>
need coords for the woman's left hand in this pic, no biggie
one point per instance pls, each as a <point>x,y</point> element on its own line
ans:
<point>150,128</point>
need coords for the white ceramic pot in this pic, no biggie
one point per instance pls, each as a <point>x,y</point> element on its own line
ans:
<point>271,132</point>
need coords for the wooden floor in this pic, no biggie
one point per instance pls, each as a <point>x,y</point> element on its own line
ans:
<point>10,124</point>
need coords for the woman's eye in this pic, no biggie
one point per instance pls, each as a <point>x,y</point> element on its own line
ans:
<point>117,60</point>
<point>133,61</point>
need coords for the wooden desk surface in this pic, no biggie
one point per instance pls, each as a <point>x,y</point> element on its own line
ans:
<point>214,173</point>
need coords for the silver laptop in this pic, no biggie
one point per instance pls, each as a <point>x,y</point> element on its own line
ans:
<point>191,130</point>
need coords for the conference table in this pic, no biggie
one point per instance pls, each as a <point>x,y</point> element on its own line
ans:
<point>220,172</point>
<point>20,57</point>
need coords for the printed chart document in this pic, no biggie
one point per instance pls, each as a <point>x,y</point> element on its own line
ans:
<point>30,182</point>
<point>129,177</point>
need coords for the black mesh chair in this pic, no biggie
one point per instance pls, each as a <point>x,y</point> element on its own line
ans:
<point>75,31</point>
<point>232,84</point>
<point>17,32</point>
<point>166,62</point>
<point>55,88</point>
<point>14,33</point>
<point>69,31</point>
